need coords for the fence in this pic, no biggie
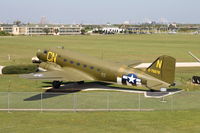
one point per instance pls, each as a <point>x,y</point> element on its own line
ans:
<point>96,101</point>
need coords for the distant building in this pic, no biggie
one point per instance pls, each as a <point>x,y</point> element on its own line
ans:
<point>172,25</point>
<point>7,28</point>
<point>42,29</point>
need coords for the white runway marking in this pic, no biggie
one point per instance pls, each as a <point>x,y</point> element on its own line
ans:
<point>111,89</point>
<point>97,87</point>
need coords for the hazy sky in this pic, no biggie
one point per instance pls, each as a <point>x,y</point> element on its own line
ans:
<point>100,11</point>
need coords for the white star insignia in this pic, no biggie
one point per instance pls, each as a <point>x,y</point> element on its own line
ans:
<point>131,79</point>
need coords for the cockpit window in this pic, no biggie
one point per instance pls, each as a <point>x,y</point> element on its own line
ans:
<point>45,51</point>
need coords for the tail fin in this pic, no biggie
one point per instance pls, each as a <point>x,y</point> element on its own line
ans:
<point>163,68</point>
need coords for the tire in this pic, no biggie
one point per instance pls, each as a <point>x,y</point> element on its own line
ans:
<point>81,82</point>
<point>196,80</point>
<point>56,84</point>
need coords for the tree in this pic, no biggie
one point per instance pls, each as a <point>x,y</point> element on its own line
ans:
<point>46,30</point>
<point>17,22</point>
<point>3,33</point>
<point>56,31</point>
<point>83,31</point>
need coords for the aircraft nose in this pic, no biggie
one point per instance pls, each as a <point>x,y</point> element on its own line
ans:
<point>39,54</point>
<point>42,55</point>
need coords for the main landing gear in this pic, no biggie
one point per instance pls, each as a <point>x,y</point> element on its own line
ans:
<point>80,82</point>
<point>56,84</point>
<point>196,80</point>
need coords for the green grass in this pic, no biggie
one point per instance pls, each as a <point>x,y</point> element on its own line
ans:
<point>98,100</point>
<point>119,48</point>
<point>101,122</point>
<point>115,48</point>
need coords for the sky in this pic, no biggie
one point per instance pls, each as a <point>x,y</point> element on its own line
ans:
<point>100,11</point>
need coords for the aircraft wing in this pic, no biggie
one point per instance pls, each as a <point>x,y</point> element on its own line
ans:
<point>67,74</point>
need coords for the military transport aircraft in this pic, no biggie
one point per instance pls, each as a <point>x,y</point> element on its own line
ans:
<point>65,65</point>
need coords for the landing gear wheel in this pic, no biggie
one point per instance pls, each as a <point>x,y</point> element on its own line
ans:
<point>194,79</point>
<point>80,82</point>
<point>56,84</point>
<point>151,90</point>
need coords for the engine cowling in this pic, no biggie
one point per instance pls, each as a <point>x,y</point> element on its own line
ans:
<point>36,60</point>
<point>19,69</point>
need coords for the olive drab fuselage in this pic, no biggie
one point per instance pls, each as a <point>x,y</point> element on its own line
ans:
<point>99,69</point>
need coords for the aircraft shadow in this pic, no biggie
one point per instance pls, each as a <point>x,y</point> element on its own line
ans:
<point>73,87</point>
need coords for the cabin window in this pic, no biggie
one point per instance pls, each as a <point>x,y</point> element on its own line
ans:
<point>91,67</point>
<point>84,65</point>
<point>71,62</point>
<point>78,64</point>
<point>65,60</point>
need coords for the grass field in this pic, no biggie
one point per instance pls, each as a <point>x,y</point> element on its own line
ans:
<point>119,48</point>
<point>116,48</point>
<point>101,122</point>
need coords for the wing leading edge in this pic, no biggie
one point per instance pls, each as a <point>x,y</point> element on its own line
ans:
<point>68,74</point>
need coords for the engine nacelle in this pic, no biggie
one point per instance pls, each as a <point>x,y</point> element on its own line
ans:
<point>1,68</point>
<point>35,60</point>
<point>19,69</point>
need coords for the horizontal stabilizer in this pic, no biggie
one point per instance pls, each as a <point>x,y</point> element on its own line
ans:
<point>178,64</point>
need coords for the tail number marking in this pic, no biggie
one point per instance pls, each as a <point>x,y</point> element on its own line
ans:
<point>154,71</point>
